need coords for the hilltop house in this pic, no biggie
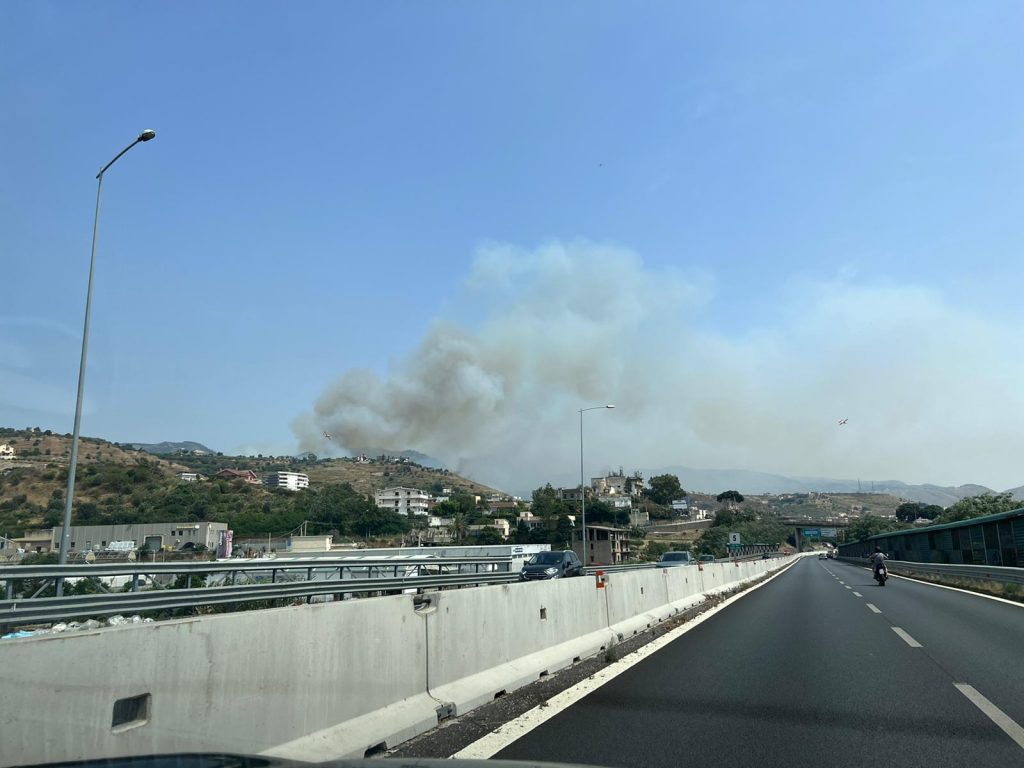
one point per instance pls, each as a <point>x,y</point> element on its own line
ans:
<point>247,475</point>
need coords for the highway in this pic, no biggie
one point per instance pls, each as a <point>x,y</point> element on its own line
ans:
<point>809,670</point>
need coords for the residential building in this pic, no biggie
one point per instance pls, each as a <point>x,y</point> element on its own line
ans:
<point>572,494</point>
<point>605,545</point>
<point>503,505</point>
<point>190,477</point>
<point>616,501</point>
<point>618,484</point>
<point>291,481</point>
<point>639,516</point>
<point>6,451</point>
<point>40,540</point>
<point>404,501</point>
<point>246,475</point>
<point>155,536</point>
<point>501,526</point>
<point>531,520</point>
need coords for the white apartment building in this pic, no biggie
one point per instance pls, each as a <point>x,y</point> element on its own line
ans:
<point>291,481</point>
<point>404,501</point>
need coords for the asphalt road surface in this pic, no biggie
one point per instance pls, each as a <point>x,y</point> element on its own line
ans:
<point>803,672</point>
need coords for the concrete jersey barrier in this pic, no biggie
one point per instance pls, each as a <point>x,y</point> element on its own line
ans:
<point>316,682</point>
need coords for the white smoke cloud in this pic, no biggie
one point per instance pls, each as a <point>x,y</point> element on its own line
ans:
<point>930,389</point>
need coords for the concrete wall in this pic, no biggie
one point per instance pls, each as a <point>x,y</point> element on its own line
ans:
<point>322,681</point>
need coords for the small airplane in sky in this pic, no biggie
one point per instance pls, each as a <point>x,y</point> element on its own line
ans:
<point>328,436</point>
<point>842,421</point>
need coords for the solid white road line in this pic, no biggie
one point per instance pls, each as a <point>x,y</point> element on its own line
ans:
<point>858,594</point>
<point>909,640</point>
<point>495,741</point>
<point>872,607</point>
<point>964,591</point>
<point>994,713</point>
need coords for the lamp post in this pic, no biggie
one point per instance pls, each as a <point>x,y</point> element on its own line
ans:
<point>65,534</point>
<point>583,490</point>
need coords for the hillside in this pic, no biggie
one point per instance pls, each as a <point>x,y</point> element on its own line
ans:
<point>40,468</point>
<point>118,484</point>
<point>169,447</point>
<point>367,478</point>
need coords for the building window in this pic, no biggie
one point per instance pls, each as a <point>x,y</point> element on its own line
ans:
<point>104,543</point>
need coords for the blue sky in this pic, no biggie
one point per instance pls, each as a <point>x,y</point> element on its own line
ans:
<point>327,175</point>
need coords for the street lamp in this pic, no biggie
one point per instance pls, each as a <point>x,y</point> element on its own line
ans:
<point>583,490</point>
<point>65,534</point>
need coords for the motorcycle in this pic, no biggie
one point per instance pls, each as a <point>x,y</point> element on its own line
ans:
<point>881,575</point>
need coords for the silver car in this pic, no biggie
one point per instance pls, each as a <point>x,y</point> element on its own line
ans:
<point>672,559</point>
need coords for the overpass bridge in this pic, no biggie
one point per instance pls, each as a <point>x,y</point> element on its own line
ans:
<point>813,666</point>
<point>814,526</point>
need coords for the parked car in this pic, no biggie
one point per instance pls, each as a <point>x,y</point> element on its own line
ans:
<point>672,559</point>
<point>551,565</point>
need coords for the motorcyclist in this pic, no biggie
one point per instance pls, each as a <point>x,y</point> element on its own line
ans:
<point>877,558</point>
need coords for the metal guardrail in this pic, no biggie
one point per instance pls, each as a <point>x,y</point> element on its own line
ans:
<point>227,566</point>
<point>999,573</point>
<point>46,609</point>
<point>232,582</point>
<point>590,570</point>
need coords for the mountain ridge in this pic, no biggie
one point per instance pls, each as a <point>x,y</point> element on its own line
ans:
<point>753,483</point>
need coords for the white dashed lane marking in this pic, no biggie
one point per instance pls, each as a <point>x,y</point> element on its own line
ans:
<point>907,638</point>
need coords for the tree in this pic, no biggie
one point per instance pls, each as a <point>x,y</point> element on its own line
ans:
<point>459,526</point>
<point>979,506</point>
<point>564,531</point>
<point>547,505</point>
<point>654,550</point>
<point>870,525</point>
<point>664,489</point>
<point>488,536</point>
<point>909,511</point>
<point>730,496</point>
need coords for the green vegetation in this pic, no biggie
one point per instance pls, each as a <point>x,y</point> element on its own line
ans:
<point>111,492</point>
<point>979,506</point>
<point>734,496</point>
<point>753,527</point>
<point>664,489</point>
<point>911,511</point>
<point>869,525</point>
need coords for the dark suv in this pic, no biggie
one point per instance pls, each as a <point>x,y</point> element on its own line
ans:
<point>551,565</point>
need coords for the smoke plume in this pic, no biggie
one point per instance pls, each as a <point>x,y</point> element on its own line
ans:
<point>930,390</point>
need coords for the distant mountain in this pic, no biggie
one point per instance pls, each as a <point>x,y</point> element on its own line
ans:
<point>161,449</point>
<point>1017,493</point>
<point>745,481</point>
